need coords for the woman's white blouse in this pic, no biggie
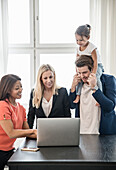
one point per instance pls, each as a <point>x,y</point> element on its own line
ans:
<point>47,106</point>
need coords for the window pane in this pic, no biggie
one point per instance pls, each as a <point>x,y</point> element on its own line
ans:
<point>60,18</point>
<point>19,64</point>
<point>64,67</point>
<point>19,21</point>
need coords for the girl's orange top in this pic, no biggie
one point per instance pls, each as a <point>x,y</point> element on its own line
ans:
<point>18,115</point>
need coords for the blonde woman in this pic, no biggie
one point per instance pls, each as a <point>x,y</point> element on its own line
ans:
<point>47,100</point>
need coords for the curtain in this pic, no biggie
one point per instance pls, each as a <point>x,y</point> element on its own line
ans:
<point>103,22</point>
<point>3,37</point>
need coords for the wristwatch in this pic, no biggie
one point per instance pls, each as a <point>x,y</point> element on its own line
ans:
<point>95,88</point>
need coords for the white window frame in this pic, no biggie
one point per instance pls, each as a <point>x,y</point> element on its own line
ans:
<point>35,48</point>
<point>31,44</point>
<point>27,48</point>
<point>26,51</point>
<point>59,48</point>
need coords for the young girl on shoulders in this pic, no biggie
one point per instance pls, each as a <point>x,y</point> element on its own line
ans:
<point>85,47</point>
<point>13,123</point>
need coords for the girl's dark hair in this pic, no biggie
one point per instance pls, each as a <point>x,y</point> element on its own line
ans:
<point>6,84</point>
<point>85,60</point>
<point>83,30</point>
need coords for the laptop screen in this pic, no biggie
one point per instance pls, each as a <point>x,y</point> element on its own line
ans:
<point>58,131</point>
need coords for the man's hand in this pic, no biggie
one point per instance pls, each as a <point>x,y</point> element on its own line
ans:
<point>92,81</point>
<point>75,82</point>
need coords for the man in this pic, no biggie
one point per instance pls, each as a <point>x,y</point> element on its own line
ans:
<point>94,119</point>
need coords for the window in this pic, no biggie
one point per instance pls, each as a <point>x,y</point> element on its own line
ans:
<point>19,21</point>
<point>20,64</point>
<point>60,18</point>
<point>42,31</point>
<point>62,64</point>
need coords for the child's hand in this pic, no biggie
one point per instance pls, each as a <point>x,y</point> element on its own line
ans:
<point>77,56</point>
<point>92,81</point>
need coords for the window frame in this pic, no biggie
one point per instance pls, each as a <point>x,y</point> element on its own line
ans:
<point>31,44</point>
<point>34,47</point>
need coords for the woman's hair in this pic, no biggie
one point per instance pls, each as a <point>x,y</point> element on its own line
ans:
<point>85,60</point>
<point>83,30</point>
<point>39,88</point>
<point>6,84</point>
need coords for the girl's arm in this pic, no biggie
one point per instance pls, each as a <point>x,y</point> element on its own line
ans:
<point>7,126</point>
<point>94,57</point>
<point>31,112</point>
<point>66,104</point>
<point>72,97</point>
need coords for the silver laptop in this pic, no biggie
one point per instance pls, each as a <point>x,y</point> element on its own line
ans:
<point>58,131</point>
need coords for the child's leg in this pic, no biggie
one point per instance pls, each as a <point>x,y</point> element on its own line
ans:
<point>79,87</point>
<point>99,84</point>
<point>77,99</point>
<point>98,75</point>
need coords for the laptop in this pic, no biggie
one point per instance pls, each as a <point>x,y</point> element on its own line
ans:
<point>58,131</point>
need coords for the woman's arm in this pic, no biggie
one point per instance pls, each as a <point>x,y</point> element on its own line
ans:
<point>31,112</point>
<point>26,126</point>
<point>7,126</point>
<point>72,97</point>
<point>66,104</point>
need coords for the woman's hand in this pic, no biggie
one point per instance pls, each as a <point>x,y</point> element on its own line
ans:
<point>35,132</point>
<point>75,82</point>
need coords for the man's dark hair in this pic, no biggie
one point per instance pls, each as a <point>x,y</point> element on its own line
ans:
<point>85,60</point>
